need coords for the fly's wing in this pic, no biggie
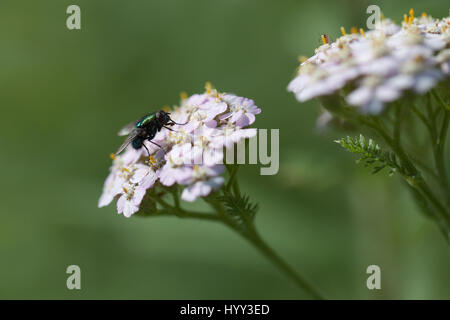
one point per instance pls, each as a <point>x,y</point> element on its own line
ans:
<point>127,129</point>
<point>133,134</point>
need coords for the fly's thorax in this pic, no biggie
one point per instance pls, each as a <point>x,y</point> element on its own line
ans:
<point>145,120</point>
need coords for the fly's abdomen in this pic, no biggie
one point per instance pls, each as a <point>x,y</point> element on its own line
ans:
<point>137,142</point>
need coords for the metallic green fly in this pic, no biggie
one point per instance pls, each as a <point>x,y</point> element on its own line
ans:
<point>145,129</point>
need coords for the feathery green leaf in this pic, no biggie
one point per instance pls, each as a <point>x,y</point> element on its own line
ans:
<point>371,154</point>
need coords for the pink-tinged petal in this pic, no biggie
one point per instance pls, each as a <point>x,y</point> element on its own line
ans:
<point>105,199</point>
<point>387,93</point>
<point>383,66</point>
<point>225,115</point>
<point>204,188</point>
<point>109,180</point>
<point>129,209</point>
<point>194,191</point>
<point>185,148</point>
<point>196,99</point>
<point>297,84</point>
<point>186,177</point>
<point>201,188</point>
<point>219,141</point>
<point>138,195</point>
<point>130,156</point>
<point>110,189</point>
<point>216,182</point>
<point>167,177</point>
<point>244,120</point>
<point>253,109</point>
<point>215,170</point>
<point>249,133</point>
<point>242,134</point>
<point>360,96</point>
<point>401,82</point>
<point>159,137</point>
<point>197,155</point>
<point>233,99</point>
<point>191,125</point>
<point>445,67</point>
<point>139,174</point>
<point>323,120</point>
<point>215,107</point>
<point>426,80</point>
<point>213,156</point>
<point>114,183</point>
<point>189,194</point>
<point>435,43</point>
<point>236,116</point>
<point>211,123</point>
<point>121,204</point>
<point>220,107</point>
<point>183,174</point>
<point>149,180</point>
<point>251,117</point>
<point>228,142</point>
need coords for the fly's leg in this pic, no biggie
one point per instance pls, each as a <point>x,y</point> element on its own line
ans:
<point>170,129</point>
<point>148,152</point>
<point>173,122</point>
<point>160,147</point>
<point>155,144</point>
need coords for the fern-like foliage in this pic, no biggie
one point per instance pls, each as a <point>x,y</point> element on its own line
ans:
<point>371,154</point>
<point>240,208</point>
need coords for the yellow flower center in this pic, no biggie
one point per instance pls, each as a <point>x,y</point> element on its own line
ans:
<point>208,87</point>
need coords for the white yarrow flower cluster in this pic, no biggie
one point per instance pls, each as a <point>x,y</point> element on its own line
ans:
<point>371,69</point>
<point>191,155</point>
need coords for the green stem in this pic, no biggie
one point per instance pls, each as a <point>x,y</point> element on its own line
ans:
<point>270,254</point>
<point>398,123</point>
<point>438,143</point>
<point>439,155</point>
<point>249,233</point>
<point>236,189</point>
<point>425,167</point>
<point>182,213</point>
<point>189,214</point>
<point>232,170</point>
<point>176,198</point>
<point>414,178</point>
<point>423,118</point>
<point>411,174</point>
<point>438,138</point>
<point>442,103</point>
<point>254,238</point>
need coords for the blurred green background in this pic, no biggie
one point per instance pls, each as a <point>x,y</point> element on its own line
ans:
<point>64,94</point>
